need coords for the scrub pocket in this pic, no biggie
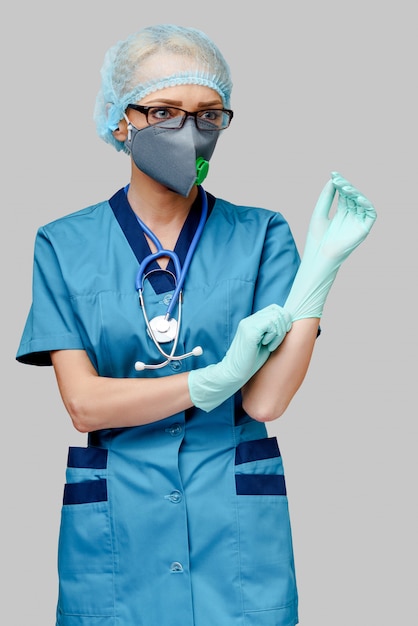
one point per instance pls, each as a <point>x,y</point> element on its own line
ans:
<point>267,568</point>
<point>86,560</point>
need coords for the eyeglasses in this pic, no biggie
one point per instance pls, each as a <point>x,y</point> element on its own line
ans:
<point>174,118</point>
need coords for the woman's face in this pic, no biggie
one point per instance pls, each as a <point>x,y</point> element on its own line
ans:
<point>177,155</point>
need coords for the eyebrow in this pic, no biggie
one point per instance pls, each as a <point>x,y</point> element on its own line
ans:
<point>179,103</point>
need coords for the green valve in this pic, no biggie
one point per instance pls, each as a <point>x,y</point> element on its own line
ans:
<point>202,168</point>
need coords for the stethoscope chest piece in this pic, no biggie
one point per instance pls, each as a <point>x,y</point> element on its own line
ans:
<point>163,330</point>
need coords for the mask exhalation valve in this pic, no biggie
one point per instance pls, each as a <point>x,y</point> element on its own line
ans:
<point>202,168</point>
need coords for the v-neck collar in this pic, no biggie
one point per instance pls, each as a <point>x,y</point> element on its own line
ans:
<point>161,280</point>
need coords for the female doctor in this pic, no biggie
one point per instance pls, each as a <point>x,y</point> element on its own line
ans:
<point>177,324</point>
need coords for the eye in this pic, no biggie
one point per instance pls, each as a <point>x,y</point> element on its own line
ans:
<point>211,115</point>
<point>159,114</point>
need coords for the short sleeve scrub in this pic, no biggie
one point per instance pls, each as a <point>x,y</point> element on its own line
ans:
<point>182,522</point>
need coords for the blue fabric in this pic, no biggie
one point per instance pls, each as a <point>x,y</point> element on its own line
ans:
<point>160,281</point>
<point>88,491</point>
<point>87,457</point>
<point>256,450</point>
<point>171,485</point>
<point>260,485</point>
<point>79,290</point>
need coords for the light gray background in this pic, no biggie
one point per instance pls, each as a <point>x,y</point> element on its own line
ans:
<point>319,86</point>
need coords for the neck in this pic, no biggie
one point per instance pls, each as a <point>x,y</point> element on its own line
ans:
<point>157,206</point>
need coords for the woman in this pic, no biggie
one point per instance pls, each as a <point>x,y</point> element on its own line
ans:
<point>176,511</point>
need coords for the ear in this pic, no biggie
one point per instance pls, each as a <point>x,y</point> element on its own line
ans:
<point>121,132</point>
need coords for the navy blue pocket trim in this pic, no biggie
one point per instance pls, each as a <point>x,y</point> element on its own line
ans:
<point>87,491</point>
<point>256,450</point>
<point>95,458</point>
<point>260,485</point>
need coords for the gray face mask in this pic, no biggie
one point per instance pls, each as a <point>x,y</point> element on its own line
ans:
<point>176,158</point>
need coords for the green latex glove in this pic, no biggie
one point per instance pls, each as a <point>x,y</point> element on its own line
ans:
<point>256,337</point>
<point>329,242</point>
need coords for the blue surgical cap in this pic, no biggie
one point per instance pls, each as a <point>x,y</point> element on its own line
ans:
<point>154,58</point>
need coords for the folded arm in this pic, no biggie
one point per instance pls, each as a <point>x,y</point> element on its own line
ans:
<point>95,402</point>
<point>269,392</point>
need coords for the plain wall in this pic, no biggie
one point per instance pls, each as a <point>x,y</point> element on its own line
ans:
<point>318,86</point>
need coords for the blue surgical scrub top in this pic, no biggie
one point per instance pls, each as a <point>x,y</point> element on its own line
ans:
<point>183,521</point>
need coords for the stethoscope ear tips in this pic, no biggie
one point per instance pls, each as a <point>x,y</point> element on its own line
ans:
<point>139,366</point>
<point>197,351</point>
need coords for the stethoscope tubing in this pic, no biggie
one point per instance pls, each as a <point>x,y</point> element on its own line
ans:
<point>140,277</point>
<point>180,272</point>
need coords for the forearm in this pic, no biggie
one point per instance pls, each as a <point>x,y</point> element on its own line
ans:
<point>95,402</point>
<point>269,392</point>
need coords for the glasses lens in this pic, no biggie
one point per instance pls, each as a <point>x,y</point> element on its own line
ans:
<point>212,119</point>
<point>169,116</point>
<point>172,117</point>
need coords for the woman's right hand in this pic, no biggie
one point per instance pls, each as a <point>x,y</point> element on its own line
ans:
<point>256,337</point>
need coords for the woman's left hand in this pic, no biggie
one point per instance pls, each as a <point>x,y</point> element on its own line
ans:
<point>330,240</point>
<point>337,236</point>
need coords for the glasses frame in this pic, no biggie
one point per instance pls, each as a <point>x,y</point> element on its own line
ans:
<point>146,109</point>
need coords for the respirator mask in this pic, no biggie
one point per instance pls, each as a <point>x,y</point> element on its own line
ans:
<point>175,157</point>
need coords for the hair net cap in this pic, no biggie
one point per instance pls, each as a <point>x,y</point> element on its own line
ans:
<point>154,58</point>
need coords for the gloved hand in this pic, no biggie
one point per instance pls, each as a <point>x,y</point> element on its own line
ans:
<point>256,337</point>
<point>329,242</point>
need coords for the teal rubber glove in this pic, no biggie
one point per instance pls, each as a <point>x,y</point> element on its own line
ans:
<point>256,337</point>
<point>329,242</point>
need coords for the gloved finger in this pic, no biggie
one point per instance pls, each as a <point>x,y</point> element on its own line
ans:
<point>252,329</point>
<point>275,343</point>
<point>352,195</point>
<point>273,320</point>
<point>262,356</point>
<point>342,184</point>
<point>363,208</point>
<point>370,216</point>
<point>324,202</point>
<point>282,326</point>
<point>353,200</point>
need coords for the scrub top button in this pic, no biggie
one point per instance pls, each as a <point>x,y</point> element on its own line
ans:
<point>174,430</point>
<point>175,365</point>
<point>175,496</point>
<point>176,567</point>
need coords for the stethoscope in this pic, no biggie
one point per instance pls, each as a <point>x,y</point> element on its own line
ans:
<point>165,328</point>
